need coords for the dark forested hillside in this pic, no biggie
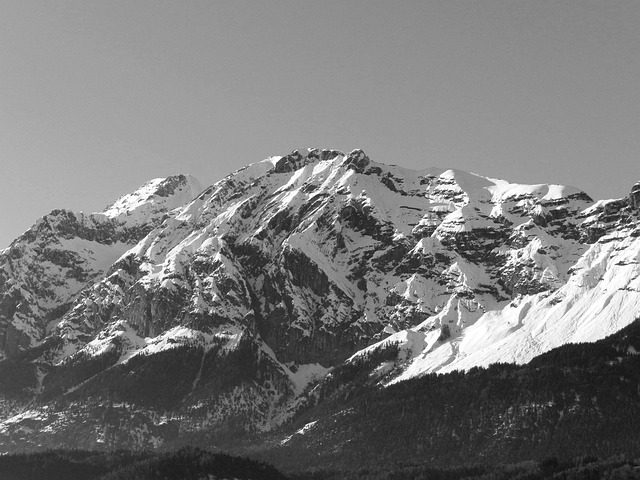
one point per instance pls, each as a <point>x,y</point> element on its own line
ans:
<point>187,464</point>
<point>574,400</point>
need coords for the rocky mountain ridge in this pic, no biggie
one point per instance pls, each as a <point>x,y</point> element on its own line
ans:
<point>64,252</point>
<point>230,303</point>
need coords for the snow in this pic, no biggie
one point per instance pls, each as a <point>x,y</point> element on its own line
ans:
<point>602,297</point>
<point>503,190</point>
<point>300,431</point>
<point>306,374</point>
<point>136,207</point>
<point>181,335</point>
<point>299,375</point>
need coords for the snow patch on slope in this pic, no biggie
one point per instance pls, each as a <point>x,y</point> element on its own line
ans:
<point>160,194</point>
<point>601,297</point>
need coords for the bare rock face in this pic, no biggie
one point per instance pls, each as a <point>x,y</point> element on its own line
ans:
<point>357,161</point>
<point>14,341</point>
<point>634,197</point>
<point>255,287</point>
<point>299,158</point>
<point>607,216</point>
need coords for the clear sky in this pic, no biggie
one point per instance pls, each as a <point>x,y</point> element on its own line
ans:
<point>97,97</point>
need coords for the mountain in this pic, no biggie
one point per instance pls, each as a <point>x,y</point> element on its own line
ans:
<point>209,315</point>
<point>44,269</point>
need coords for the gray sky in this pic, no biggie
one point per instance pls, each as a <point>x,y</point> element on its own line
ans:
<point>97,97</point>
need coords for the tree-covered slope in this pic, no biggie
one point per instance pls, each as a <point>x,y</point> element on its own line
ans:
<point>574,400</point>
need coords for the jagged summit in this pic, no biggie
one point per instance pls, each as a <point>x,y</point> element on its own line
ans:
<point>634,196</point>
<point>301,157</point>
<point>296,264</point>
<point>155,195</point>
<point>65,251</point>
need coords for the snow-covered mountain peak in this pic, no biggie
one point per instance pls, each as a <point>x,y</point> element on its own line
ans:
<point>295,264</point>
<point>495,190</point>
<point>64,252</point>
<point>160,194</point>
<point>301,157</point>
